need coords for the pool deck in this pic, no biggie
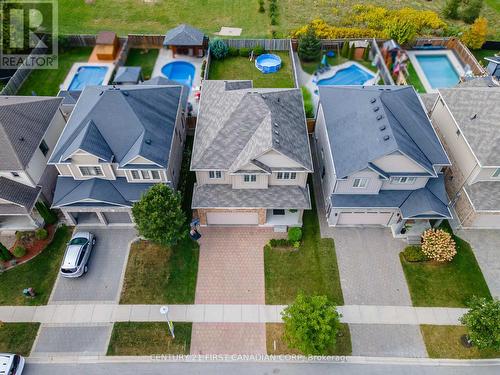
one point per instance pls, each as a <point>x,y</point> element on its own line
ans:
<point>412,54</point>
<point>76,66</point>
<point>165,56</point>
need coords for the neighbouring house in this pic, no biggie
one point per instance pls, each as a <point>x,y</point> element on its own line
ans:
<point>467,118</point>
<point>29,129</point>
<point>493,67</point>
<point>380,161</point>
<point>251,156</point>
<point>186,40</point>
<point>118,142</point>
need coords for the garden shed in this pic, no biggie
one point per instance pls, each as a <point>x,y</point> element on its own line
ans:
<point>186,40</point>
<point>128,75</point>
<point>106,45</point>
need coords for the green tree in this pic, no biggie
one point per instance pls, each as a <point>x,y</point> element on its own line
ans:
<point>261,6</point>
<point>158,215</point>
<point>309,48</point>
<point>402,31</point>
<point>483,323</point>
<point>311,324</point>
<point>218,49</point>
<point>472,10</point>
<point>475,36</point>
<point>345,49</point>
<point>5,254</point>
<point>450,9</point>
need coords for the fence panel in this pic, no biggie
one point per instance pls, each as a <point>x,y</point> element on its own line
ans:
<point>145,40</point>
<point>123,54</point>
<point>84,40</point>
<point>267,44</point>
<point>208,60</point>
<point>294,65</point>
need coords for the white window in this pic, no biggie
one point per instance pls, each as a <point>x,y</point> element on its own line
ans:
<point>91,171</point>
<point>286,175</point>
<point>360,183</point>
<point>145,174</point>
<point>496,174</point>
<point>249,177</point>
<point>215,174</point>
<point>403,180</point>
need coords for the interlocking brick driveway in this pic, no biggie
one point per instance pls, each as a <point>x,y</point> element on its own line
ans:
<point>231,271</point>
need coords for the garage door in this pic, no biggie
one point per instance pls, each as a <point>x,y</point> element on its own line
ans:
<point>364,218</point>
<point>232,218</point>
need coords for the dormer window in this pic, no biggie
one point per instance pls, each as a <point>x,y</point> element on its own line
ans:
<point>250,178</point>
<point>144,174</point>
<point>496,174</point>
<point>91,171</point>
<point>215,174</point>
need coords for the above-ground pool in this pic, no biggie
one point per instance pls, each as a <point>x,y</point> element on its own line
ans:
<point>87,76</point>
<point>352,75</point>
<point>438,70</point>
<point>180,71</point>
<point>268,63</point>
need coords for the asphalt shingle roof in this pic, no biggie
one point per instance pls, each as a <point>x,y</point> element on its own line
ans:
<point>184,35</point>
<point>19,194</point>
<point>484,195</point>
<point>367,123</point>
<point>23,123</point>
<point>128,74</point>
<point>162,81</point>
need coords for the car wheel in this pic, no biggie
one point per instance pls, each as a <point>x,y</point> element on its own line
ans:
<point>85,269</point>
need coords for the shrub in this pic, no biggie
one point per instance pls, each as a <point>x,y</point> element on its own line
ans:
<point>49,216</point>
<point>218,49</point>
<point>402,31</point>
<point>244,52</point>
<point>19,251</point>
<point>258,50</point>
<point>311,324</point>
<point>203,67</point>
<point>261,6</point>
<point>483,323</point>
<point>309,48</point>
<point>450,9</point>
<point>352,49</point>
<point>279,242</point>
<point>308,104</point>
<point>366,53</point>
<point>294,234</point>
<point>438,245</point>
<point>475,36</point>
<point>472,10</point>
<point>233,52</point>
<point>273,7</point>
<point>345,49</point>
<point>41,234</point>
<point>414,253</point>
<point>5,254</point>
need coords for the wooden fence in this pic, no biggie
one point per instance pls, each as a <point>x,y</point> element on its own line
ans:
<point>208,60</point>
<point>267,44</point>
<point>85,40</point>
<point>145,40</point>
<point>294,65</point>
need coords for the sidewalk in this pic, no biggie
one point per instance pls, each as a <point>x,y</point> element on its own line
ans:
<point>107,313</point>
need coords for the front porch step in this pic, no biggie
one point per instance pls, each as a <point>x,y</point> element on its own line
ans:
<point>413,240</point>
<point>280,228</point>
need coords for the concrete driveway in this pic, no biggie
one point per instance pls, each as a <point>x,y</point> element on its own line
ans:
<point>485,244</point>
<point>106,267</point>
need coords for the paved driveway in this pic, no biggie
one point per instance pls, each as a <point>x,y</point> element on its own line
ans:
<point>486,246</point>
<point>103,281</point>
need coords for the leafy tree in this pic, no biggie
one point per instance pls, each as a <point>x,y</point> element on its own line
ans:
<point>309,48</point>
<point>402,31</point>
<point>345,49</point>
<point>475,36</point>
<point>261,6</point>
<point>366,53</point>
<point>483,323</point>
<point>311,324</point>
<point>159,216</point>
<point>472,10</point>
<point>49,216</point>
<point>352,50</point>
<point>5,254</point>
<point>218,49</point>
<point>450,9</point>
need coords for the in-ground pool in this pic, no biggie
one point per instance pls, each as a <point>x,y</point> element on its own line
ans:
<point>87,76</point>
<point>180,71</point>
<point>438,70</point>
<point>352,75</point>
<point>268,63</point>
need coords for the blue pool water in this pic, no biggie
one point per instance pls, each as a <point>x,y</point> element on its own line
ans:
<point>438,70</point>
<point>180,71</point>
<point>87,76</point>
<point>352,75</point>
<point>268,63</point>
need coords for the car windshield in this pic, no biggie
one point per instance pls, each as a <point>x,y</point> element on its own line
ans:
<point>78,241</point>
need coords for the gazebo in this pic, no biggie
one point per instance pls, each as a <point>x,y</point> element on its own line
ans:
<point>186,40</point>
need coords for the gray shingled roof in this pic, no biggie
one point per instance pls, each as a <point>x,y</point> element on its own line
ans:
<point>484,195</point>
<point>429,100</point>
<point>367,123</point>
<point>23,123</point>
<point>224,196</point>
<point>69,97</point>
<point>184,35</point>
<point>19,194</point>
<point>488,81</point>
<point>121,124</point>
<point>128,74</point>
<point>162,81</point>
<point>236,126</point>
<point>476,111</point>
<point>97,192</point>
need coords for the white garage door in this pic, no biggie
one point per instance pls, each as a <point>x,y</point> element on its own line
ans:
<point>232,218</point>
<point>364,218</point>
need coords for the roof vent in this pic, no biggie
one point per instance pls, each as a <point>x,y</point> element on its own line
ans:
<point>277,141</point>
<point>386,137</point>
<point>125,93</point>
<point>373,100</point>
<point>263,96</point>
<point>278,99</point>
<point>376,109</point>
<point>148,141</point>
<point>102,92</point>
<point>474,116</point>
<point>382,128</point>
<point>276,132</point>
<point>21,139</point>
<point>379,117</point>
<point>276,125</point>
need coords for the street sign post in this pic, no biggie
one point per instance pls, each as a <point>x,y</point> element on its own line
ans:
<point>164,311</point>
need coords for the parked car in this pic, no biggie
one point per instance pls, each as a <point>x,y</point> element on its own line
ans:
<point>11,364</point>
<point>76,257</point>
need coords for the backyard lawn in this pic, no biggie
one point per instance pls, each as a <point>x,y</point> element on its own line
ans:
<point>46,82</point>
<point>480,54</point>
<point>311,66</point>
<point>311,269</point>
<point>242,68</point>
<point>141,338</point>
<point>274,337</point>
<point>414,80</point>
<point>446,285</point>
<point>444,342</point>
<point>39,273</point>
<point>144,58</point>
<point>17,337</point>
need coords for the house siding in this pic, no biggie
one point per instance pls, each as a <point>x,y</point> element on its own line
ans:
<point>239,183</point>
<point>373,187</point>
<point>398,163</point>
<point>300,180</point>
<point>420,182</point>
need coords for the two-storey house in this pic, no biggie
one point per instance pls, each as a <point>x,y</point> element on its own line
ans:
<point>117,143</point>
<point>29,129</point>
<point>251,156</point>
<point>467,118</point>
<point>379,158</point>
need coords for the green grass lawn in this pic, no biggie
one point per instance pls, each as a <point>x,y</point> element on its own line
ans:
<point>274,336</point>
<point>39,273</point>
<point>446,285</point>
<point>480,54</point>
<point>144,58</point>
<point>311,66</point>
<point>242,68</point>
<point>46,82</point>
<point>414,80</point>
<point>311,269</point>
<point>444,342</point>
<point>141,338</point>
<point>17,337</point>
